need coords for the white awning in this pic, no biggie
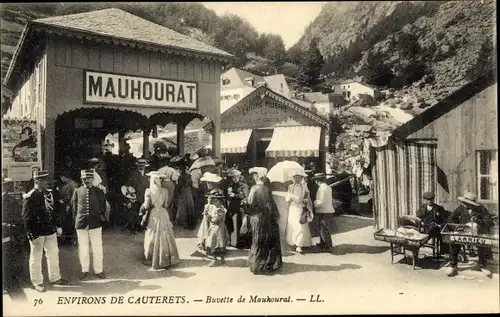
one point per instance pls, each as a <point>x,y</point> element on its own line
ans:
<point>234,140</point>
<point>295,142</point>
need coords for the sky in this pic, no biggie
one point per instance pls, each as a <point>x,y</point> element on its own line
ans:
<point>288,19</point>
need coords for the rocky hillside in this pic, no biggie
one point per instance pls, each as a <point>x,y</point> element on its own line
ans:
<point>434,46</point>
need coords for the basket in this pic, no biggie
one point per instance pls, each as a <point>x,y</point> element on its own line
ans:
<point>393,236</point>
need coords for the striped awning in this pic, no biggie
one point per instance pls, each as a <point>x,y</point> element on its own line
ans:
<point>295,142</point>
<point>235,140</point>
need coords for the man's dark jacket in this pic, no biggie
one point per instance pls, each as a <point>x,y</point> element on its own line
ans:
<point>437,215</point>
<point>484,219</point>
<point>38,219</point>
<point>88,205</point>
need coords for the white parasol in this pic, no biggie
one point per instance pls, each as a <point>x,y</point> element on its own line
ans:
<point>202,162</point>
<point>283,171</point>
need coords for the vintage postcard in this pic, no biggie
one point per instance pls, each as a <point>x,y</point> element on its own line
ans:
<point>253,158</point>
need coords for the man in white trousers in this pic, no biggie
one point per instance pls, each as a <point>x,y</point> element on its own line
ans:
<point>42,226</point>
<point>323,206</point>
<point>89,207</point>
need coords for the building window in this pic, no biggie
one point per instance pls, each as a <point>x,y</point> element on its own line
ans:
<point>487,175</point>
<point>348,86</point>
<point>225,81</point>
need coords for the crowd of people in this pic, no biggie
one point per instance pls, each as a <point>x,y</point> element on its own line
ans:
<point>159,195</point>
<point>174,192</point>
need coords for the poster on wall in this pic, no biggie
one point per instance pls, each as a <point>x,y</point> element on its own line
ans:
<point>21,149</point>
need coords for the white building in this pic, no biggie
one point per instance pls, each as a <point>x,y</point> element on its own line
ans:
<point>352,89</point>
<point>237,83</point>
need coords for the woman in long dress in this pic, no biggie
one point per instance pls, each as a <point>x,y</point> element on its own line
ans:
<point>160,250</point>
<point>183,200</point>
<point>265,252</point>
<point>213,236</point>
<point>297,234</point>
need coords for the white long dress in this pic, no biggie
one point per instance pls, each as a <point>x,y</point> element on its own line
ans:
<point>159,242</point>
<point>297,234</point>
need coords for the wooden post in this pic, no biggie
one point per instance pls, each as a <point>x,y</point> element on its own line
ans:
<point>49,138</point>
<point>216,132</point>
<point>322,150</point>
<point>145,143</point>
<point>180,137</point>
<point>121,141</point>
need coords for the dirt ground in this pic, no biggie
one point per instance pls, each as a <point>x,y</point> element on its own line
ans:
<point>357,278</point>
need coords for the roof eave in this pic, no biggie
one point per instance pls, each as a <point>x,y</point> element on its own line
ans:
<point>13,62</point>
<point>221,57</point>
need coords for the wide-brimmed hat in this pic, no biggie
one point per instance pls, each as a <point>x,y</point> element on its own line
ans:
<point>40,174</point>
<point>260,171</point>
<point>88,173</point>
<point>7,181</point>
<point>233,173</point>
<point>128,192</point>
<point>156,174</point>
<point>319,176</point>
<point>210,177</point>
<point>469,198</point>
<point>299,173</point>
<point>428,195</point>
<point>142,162</point>
<point>215,193</point>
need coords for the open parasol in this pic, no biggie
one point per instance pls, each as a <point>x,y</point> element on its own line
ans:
<point>202,162</point>
<point>283,171</point>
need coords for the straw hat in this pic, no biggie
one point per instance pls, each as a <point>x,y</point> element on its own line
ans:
<point>260,171</point>
<point>469,198</point>
<point>128,192</point>
<point>233,173</point>
<point>6,181</point>
<point>156,174</point>
<point>210,177</point>
<point>40,174</point>
<point>142,162</point>
<point>318,176</point>
<point>88,173</point>
<point>299,173</point>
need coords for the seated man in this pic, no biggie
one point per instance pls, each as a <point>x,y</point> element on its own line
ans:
<point>470,211</point>
<point>433,216</point>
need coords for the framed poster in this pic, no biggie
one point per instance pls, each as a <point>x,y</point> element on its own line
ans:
<point>21,148</point>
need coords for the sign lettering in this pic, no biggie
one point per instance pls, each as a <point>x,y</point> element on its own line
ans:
<point>102,88</point>
<point>472,240</point>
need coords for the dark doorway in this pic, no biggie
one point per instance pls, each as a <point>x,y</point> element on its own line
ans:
<point>260,151</point>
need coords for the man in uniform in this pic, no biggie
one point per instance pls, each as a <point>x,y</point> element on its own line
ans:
<point>41,224</point>
<point>89,206</point>
<point>12,240</point>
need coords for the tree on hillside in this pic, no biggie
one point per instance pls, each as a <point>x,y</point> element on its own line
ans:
<point>235,35</point>
<point>310,67</point>
<point>271,46</point>
<point>294,55</point>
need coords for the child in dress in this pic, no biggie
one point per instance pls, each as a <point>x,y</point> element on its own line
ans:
<point>213,235</point>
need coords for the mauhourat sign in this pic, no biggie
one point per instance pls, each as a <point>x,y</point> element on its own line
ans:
<point>103,88</point>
